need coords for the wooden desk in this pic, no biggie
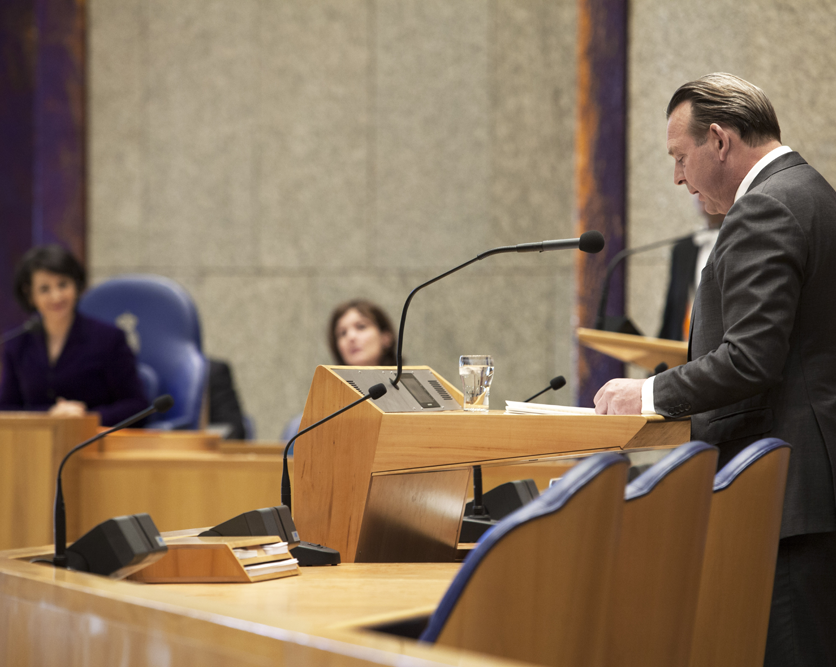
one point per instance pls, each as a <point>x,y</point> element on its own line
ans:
<point>68,618</point>
<point>181,478</point>
<point>643,351</point>
<point>179,489</point>
<point>389,487</point>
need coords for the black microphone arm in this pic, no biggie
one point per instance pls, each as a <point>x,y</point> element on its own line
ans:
<point>375,392</point>
<point>591,241</point>
<point>614,262</point>
<point>554,383</point>
<point>161,404</point>
<point>478,508</point>
<point>32,323</point>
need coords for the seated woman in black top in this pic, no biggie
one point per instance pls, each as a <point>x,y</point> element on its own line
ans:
<point>69,364</point>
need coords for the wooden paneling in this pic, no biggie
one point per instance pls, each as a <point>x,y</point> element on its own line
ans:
<point>425,439</point>
<point>31,448</point>
<point>413,517</point>
<point>179,489</point>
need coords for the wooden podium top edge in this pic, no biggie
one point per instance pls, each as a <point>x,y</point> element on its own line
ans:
<point>642,342</point>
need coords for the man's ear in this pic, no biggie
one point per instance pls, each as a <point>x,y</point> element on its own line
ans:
<point>721,140</point>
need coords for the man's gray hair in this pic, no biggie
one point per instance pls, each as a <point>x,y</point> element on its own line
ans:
<point>729,101</point>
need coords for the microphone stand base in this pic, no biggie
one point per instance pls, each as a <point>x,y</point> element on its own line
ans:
<point>311,555</point>
<point>473,527</point>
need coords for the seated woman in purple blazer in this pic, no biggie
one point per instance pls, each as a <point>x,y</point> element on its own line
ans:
<point>68,364</point>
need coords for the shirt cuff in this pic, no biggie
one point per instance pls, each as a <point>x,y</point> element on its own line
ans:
<point>648,408</point>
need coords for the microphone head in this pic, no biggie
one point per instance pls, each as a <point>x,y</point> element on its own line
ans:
<point>377,390</point>
<point>163,403</point>
<point>558,382</point>
<point>591,241</point>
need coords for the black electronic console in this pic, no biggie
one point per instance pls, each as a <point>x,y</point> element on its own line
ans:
<point>498,503</point>
<point>266,521</point>
<point>309,555</point>
<point>506,498</point>
<point>117,547</point>
<point>275,521</point>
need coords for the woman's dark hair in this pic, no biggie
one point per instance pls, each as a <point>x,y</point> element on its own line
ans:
<point>370,311</point>
<point>52,258</point>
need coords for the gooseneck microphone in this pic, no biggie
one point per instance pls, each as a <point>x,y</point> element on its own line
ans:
<point>161,404</point>
<point>375,392</point>
<point>479,510</point>
<point>554,383</point>
<point>600,317</point>
<point>591,241</point>
<point>33,323</point>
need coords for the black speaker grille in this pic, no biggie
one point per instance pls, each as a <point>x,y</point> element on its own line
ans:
<point>354,386</point>
<point>435,384</point>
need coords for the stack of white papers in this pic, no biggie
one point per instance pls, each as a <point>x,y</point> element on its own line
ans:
<point>519,408</point>
<point>274,566</point>
<point>275,548</point>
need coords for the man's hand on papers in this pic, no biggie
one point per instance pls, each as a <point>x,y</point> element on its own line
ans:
<point>619,397</point>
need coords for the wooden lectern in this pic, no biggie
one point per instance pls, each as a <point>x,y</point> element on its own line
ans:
<point>390,487</point>
<point>31,448</point>
<point>643,351</point>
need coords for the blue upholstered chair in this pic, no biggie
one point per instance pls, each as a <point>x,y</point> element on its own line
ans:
<point>163,329</point>
<point>659,559</point>
<point>740,554</point>
<point>536,586</point>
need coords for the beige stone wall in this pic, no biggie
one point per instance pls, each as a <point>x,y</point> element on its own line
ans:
<point>783,47</point>
<point>279,156</point>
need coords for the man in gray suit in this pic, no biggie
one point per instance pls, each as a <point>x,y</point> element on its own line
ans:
<point>762,349</point>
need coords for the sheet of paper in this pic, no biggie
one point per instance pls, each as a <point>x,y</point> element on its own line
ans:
<point>519,408</point>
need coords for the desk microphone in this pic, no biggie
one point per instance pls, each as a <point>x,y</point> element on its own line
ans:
<point>591,241</point>
<point>623,324</point>
<point>554,383</point>
<point>32,324</point>
<point>479,511</point>
<point>161,404</point>
<point>375,392</point>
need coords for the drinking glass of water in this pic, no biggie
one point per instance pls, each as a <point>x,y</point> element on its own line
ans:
<point>476,372</point>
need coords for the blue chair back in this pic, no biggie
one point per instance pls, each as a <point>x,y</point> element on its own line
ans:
<point>162,327</point>
<point>738,572</point>
<point>535,587</point>
<point>659,560</point>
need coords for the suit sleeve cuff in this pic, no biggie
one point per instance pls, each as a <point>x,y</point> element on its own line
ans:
<point>648,408</point>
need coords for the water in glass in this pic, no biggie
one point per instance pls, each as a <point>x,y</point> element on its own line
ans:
<point>476,371</point>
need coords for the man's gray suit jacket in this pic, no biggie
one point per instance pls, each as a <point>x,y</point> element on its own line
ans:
<point>762,349</point>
